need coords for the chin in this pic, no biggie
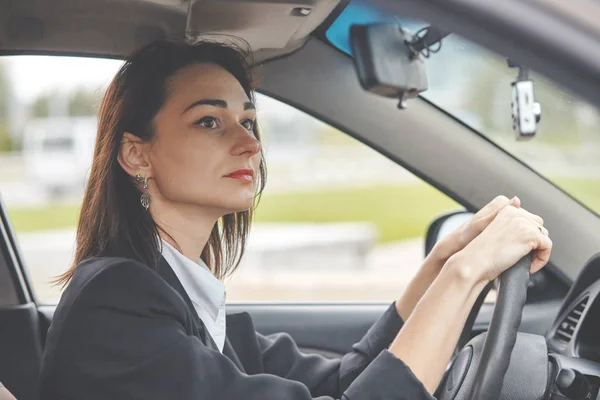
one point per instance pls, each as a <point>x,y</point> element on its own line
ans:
<point>238,206</point>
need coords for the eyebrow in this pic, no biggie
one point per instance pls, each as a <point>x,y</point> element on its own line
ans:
<point>217,103</point>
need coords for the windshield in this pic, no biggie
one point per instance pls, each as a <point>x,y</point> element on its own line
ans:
<point>474,85</point>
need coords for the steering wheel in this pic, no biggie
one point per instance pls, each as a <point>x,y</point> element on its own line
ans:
<point>487,371</point>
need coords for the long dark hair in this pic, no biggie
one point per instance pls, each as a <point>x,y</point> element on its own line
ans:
<point>112,221</point>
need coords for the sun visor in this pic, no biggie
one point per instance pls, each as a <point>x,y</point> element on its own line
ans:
<point>265,25</point>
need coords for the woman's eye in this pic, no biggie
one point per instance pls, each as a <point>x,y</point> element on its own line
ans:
<point>207,122</point>
<point>249,124</point>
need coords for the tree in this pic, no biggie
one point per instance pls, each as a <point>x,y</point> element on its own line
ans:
<point>560,122</point>
<point>80,103</point>
<point>84,102</point>
<point>5,93</point>
<point>40,108</point>
<point>489,94</point>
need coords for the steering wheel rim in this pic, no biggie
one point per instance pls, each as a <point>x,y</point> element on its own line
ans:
<point>502,333</point>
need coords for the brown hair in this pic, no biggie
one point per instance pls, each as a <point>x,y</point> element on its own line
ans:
<point>112,221</point>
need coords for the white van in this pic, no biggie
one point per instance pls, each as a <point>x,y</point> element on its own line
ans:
<point>58,152</point>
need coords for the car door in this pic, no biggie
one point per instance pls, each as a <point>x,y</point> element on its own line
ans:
<point>333,243</point>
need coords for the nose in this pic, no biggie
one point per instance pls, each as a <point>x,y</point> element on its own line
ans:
<point>246,144</point>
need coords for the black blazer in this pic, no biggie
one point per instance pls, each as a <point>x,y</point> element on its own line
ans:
<point>125,331</point>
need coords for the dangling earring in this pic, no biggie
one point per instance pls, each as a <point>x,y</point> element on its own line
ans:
<point>145,199</point>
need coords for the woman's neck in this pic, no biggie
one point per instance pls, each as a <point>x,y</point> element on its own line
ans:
<point>186,230</point>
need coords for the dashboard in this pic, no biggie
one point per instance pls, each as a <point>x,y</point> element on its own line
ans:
<point>574,338</point>
<point>576,331</point>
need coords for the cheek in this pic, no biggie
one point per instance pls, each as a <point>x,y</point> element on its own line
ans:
<point>185,168</point>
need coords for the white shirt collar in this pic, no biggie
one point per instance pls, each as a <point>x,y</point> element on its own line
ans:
<point>203,288</point>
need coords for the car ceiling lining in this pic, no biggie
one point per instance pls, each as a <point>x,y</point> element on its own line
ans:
<point>114,28</point>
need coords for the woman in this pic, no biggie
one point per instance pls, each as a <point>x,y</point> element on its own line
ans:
<point>176,172</point>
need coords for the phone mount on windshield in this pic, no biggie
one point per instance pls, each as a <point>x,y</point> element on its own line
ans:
<point>526,112</point>
<point>389,60</point>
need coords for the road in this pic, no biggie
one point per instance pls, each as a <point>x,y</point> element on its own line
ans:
<point>332,272</point>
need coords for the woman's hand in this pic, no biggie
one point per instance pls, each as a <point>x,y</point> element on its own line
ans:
<point>444,249</point>
<point>513,234</point>
<point>469,230</point>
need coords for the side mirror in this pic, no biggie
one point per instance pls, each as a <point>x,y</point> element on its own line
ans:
<point>442,226</point>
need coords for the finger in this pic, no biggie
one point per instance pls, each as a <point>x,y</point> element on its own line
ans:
<point>484,216</point>
<point>493,206</point>
<point>541,229</point>
<point>542,253</point>
<point>533,217</point>
<point>515,202</point>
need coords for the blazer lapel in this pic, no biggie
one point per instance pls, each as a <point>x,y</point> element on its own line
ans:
<point>230,353</point>
<point>241,339</point>
<point>166,272</point>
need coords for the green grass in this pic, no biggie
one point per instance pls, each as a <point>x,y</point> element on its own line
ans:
<point>586,190</point>
<point>52,216</point>
<point>398,212</point>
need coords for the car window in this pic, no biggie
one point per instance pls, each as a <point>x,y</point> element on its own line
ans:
<point>337,221</point>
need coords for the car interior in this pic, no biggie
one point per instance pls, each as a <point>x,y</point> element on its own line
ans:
<point>300,66</point>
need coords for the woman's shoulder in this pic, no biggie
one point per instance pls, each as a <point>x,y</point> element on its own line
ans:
<point>101,269</point>
<point>114,279</point>
<point>101,275</point>
<point>108,295</point>
<point>117,284</point>
<point>108,288</point>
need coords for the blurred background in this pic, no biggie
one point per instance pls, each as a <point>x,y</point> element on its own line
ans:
<point>337,222</point>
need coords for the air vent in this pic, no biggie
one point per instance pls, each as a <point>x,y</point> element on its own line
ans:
<point>565,330</point>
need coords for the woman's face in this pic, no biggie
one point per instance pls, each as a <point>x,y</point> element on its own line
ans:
<point>204,152</point>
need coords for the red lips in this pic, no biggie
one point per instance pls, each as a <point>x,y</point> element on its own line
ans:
<point>242,174</point>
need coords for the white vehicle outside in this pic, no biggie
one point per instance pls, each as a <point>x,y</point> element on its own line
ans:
<point>58,152</point>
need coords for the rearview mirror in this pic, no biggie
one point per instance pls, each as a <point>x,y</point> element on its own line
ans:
<point>384,62</point>
<point>442,226</point>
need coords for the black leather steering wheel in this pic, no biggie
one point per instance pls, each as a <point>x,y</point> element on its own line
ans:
<point>502,334</point>
<point>500,339</point>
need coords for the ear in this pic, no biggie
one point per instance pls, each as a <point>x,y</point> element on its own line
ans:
<point>133,156</point>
